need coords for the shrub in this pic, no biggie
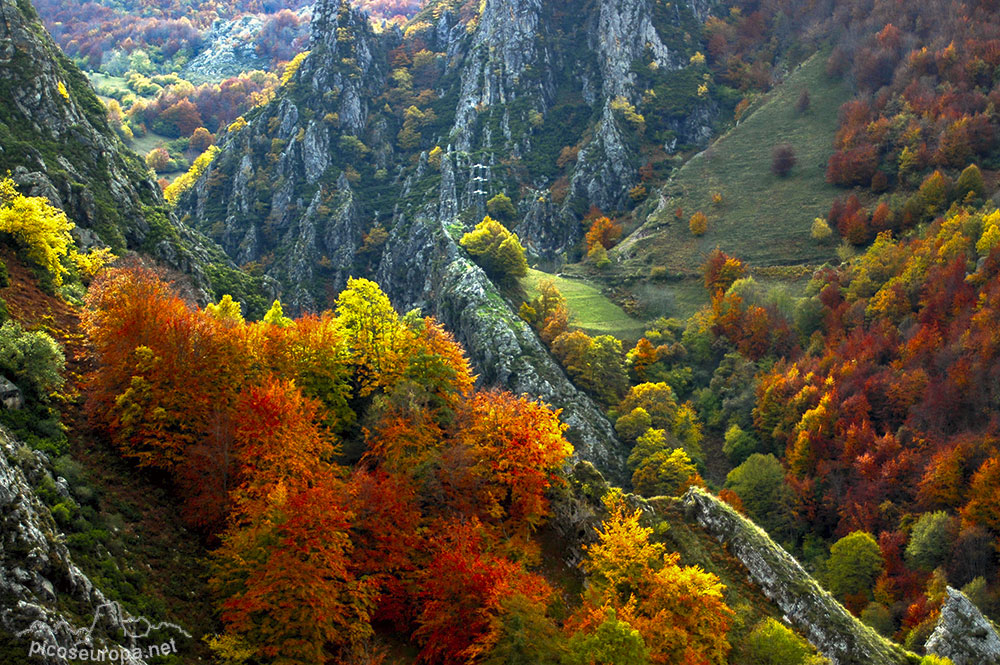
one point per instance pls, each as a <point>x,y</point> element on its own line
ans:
<point>158,159</point>
<point>772,643</point>
<point>501,208</point>
<point>782,160</point>
<point>698,224</point>
<point>657,273</point>
<point>821,231</point>
<point>201,139</point>
<point>804,102</point>
<point>31,359</point>
<point>292,67</point>
<point>599,256</point>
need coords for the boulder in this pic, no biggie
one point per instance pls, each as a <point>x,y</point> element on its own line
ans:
<point>10,395</point>
<point>963,634</point>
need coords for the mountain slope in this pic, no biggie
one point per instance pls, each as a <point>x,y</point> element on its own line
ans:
<point>762,218</point>
<point>56,142</point>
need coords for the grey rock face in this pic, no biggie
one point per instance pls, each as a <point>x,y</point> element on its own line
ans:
<point>605,174</point>
<point>624,33</point>
<point>834,631</point>
<point>963,634</point>
<point>503,46</point>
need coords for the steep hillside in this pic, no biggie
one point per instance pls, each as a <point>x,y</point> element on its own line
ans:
<point>301,190</point>
<point>761,217</point>
<point>56,142</point>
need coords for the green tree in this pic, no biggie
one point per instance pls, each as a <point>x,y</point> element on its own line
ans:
<point>606,377</point>
<point>498,251</point>
<point>31,359</point>
<point>615,642</point>
<point>931,540</point>
<point>760,484</point>
<point>501,207</point>
<point>633,424</point>
<point>773,643</point>
<point>527,636</point>
<point>855,563</point>
<point>687,429</point>
<point>657,399</point>
<point>665,473</point>
<point>970,184</point>
<point>739,444</point>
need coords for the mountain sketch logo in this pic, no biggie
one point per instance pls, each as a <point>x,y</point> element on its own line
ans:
<point>136,628</point>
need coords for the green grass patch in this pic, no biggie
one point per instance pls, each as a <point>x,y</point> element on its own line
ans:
<point>762,218</point>
<point>104,83</point>
<point>589,310</point>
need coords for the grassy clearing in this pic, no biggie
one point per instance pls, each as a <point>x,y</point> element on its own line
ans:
<point>762,218</point>
<point>589,310</point>
<point>105,83</point>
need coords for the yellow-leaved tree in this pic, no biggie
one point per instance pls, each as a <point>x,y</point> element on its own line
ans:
<point>498,251</point>
<point>41,227</point>
<point>184,183</point>
<point>678,610</point>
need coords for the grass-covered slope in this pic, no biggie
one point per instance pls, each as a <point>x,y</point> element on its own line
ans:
<point>762,218</point>
<point>589,309</point>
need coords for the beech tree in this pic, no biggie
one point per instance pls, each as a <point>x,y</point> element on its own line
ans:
<point>855,562</point>
<point>677,610</point>
<point>496,249</point>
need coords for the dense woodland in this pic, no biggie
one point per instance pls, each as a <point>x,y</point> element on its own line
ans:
<point>352,482</point>
<point>165,35</point>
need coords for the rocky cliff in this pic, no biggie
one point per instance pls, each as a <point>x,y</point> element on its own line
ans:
<point>963,634</point>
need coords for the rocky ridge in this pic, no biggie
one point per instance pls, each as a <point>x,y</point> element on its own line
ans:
<point>963,634</point>
<point>834,631</point>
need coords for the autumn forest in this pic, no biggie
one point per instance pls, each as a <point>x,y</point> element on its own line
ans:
<point>424,332</point>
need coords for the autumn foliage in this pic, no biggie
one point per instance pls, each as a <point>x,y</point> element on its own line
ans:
<point>678,611</point>
<point>344,462</point>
